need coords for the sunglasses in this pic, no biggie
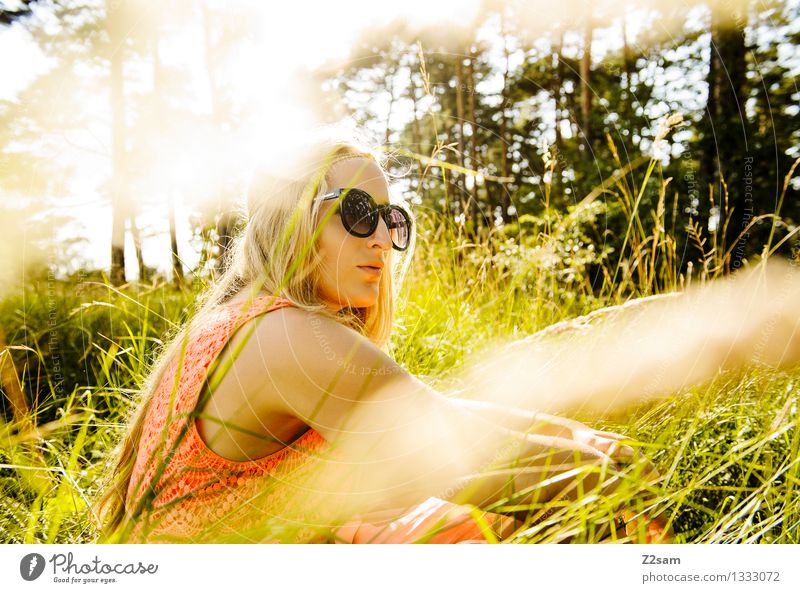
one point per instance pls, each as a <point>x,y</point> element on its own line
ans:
<point>360,215</point>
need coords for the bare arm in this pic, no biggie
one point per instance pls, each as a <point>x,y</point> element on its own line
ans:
<point>536,423</point>
<point>396,440</point>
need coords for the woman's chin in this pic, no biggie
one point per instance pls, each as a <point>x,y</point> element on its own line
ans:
<point>360,301</point>
<point>363,303</point>
<point>365,299</point>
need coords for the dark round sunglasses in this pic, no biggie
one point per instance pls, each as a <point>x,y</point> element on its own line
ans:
<point>360,215</point>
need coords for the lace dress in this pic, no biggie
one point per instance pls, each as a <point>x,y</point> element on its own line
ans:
<point>181,491</point>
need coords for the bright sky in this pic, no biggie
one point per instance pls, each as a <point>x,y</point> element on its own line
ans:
<point>17,74</point>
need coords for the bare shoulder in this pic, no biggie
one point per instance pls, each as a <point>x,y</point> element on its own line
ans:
<point>312,334</point>
<point>319,370</point>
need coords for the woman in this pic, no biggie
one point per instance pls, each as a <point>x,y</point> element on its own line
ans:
<point>277,415</point>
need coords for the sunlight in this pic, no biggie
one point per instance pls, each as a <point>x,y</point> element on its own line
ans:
<point>604,230</point>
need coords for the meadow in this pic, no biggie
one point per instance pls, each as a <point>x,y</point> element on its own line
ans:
<point>74,352</point>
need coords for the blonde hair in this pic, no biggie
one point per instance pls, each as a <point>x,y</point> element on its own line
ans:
<point>276,253</point>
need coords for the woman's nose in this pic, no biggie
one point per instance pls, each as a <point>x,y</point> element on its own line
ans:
<point>381,237</point>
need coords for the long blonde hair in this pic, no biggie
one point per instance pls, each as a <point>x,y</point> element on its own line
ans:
<point>275,253</point>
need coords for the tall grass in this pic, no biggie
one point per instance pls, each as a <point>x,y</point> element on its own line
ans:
<point>728,452</point>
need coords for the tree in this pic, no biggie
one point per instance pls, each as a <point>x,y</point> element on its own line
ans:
<point>10,15</point>
<point>115,24</point>
<point>558,92</point>
<point>775,134</point>
<point>586,89</point>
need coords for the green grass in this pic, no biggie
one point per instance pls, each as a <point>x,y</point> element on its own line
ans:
<point>728,452</point>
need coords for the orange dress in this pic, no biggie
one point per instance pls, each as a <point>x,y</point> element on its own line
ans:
<point>181,491</point>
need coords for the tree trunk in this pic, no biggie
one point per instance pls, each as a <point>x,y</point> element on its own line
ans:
<point>390,88</point>
<point>137,246</point>
<point>502,188</point>
<point>724,143</point>
<point>708,150</point>
<point>626,67</point>
<point>473,151</point>
<point>119,205</point>
<point>586,93</point>
<point>558,81</point>
<point>416,136</point>
<point>177,267</point>
<point>462,190</point>
<point>224,220</point>
<point>732,136</point>
<point>224,239</point>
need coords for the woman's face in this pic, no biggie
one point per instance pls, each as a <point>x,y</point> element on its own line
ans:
<point>352,266</point>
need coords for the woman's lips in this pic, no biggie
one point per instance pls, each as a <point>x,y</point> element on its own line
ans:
<point>372,271</point>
